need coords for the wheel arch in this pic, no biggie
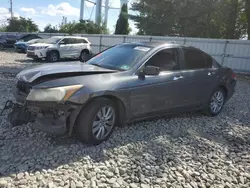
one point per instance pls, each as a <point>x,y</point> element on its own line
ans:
<point>122,114</point>
<point>224,88</point>
<point>53,50</point>
<point>85,50</point>
<point>118,103</point>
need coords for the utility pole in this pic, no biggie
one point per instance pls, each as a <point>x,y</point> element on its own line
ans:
<point>11,9</point>
<point>98,12</point>
<point>82,9</point>
<point>106,12</point>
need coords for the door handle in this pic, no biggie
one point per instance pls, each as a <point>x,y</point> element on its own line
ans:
<point>210,73</point>
<point>177,77</point>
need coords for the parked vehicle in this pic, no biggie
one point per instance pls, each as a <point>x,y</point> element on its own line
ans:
<point>9,40</point>
<point>59,47</point>
<point>125,83</point>
<point>28,37</point>
<point>22,46</point>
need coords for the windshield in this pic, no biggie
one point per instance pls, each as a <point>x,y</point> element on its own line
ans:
<point>122,57</point>
<point>35,41</point>
<point>52,40</point>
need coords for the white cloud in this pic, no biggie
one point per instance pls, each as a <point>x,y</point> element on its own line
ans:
<point>3,11</point>
<point>5,15</point>
<point>30,11</point>
<point>62,9</point>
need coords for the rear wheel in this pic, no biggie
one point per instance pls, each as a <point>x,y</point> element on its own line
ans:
<point>96,122</point>
<point>84,56</point>
<point>53,56</point>
<point>216,102</point>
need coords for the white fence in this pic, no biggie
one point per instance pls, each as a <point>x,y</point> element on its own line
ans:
<point>231,53</point>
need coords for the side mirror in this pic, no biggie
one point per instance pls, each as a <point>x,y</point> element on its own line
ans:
<point>151,70</point>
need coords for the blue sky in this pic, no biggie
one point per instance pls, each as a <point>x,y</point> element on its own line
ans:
<point>44,12</point>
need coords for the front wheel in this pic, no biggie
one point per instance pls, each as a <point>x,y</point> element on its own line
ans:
<point>216,102</point>
<point>96,122</point>
<point>53,56</point>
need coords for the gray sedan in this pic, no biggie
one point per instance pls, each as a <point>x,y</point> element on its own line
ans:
<point>124,83</point>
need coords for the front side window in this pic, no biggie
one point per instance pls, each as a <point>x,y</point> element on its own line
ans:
<point>120,57</point>
<point>195,59</point>
<point>165,59</point>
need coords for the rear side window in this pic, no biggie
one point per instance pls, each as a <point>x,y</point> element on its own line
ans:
<point>80,41</point>
<point>195,59</point>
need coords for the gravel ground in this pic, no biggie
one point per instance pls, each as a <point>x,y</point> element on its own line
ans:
<point>188,150</point>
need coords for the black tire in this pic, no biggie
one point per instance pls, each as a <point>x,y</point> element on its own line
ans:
<point>84,56</point>
<point>85,121</point>
<point>208,109</point>
<point>52,56</point>
<point>1,47</point>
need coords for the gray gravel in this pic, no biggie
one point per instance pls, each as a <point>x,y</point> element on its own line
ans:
<point>188,150</point>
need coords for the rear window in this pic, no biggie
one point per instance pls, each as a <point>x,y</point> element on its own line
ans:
<point>196,59</point>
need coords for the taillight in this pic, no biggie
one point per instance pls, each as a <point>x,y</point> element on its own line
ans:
<point>233,75</point>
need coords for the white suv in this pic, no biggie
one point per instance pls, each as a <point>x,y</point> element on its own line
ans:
<point>59,47</point>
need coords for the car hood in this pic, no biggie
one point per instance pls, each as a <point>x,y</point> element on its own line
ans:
<point>42,44</point>
<point>20,43</point>
<point>59,70</point>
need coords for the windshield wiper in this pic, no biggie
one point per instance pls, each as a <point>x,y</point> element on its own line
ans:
<point>107,67</point>
<point>95,64</point>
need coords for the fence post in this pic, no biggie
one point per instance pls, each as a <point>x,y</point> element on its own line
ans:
<point>100,46</point>
<point>185,40</point>
<point>224,52</point>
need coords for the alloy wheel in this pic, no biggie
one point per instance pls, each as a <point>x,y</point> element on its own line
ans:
<point>53,56</point>
<point>104,122</point>
<point>217,102</point>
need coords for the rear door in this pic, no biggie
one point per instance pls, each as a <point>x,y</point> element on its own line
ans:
<point>199,77</point>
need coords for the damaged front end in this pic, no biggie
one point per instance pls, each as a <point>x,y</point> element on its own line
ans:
<point>55,117</point>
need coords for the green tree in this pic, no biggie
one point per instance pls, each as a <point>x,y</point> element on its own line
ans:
<point>122,25</point>
<point>84,26</point>
<point>2,28</point>
<point>191,18</point>
<point>21,25</point>
<point>247,8</point>
<point>50,29</point>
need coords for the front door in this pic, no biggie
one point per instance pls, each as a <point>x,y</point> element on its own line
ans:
<point>159,93</point>
<point>66,48</point>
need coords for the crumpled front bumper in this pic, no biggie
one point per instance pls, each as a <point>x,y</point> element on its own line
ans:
<point>54,118</point>
<point>51,117</point>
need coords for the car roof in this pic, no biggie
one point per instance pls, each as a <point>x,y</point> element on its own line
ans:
<point>156,44</point>
<point>79,37</point>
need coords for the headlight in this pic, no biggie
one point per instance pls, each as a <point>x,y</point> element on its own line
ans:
<point>53,94</point>
<point>41,47</point>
